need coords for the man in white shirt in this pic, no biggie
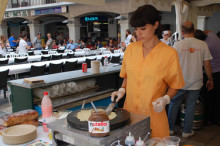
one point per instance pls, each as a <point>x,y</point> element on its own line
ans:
<point>23,46</point>
<point>193,54</point>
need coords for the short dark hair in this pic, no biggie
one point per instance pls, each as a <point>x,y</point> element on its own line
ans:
<point>186,29</point>
<point>146,14</point>
<point>199,34</point>
<point>23,34</point>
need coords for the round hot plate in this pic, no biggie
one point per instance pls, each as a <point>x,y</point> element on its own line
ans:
<point>122,118</point>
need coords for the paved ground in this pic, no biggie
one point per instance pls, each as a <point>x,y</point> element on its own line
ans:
<point>207,136</point>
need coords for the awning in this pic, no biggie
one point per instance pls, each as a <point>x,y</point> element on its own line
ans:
<point>89,2</point>
<point>3,5</point>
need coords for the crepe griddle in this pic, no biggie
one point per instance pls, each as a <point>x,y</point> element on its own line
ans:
<point>122,118</point>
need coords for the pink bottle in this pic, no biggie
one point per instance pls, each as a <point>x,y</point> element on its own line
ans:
<point>47,109</point>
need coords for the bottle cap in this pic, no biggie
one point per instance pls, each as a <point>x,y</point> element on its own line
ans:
<point>139,142</point>
<point>130,139</point>
<point>105,56</point>
<point>45,93</point>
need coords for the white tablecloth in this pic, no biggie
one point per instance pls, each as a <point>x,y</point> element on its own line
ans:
<point>22,68</point>
<point>38,57</point>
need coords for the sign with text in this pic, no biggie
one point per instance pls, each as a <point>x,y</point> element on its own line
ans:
<point>93,18</point>
<point>16,14</point>
<point>54,10</point>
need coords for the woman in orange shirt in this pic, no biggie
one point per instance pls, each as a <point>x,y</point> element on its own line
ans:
<point>151,71</point>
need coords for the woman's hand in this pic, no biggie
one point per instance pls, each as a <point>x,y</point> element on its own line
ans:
<point>120,93</point>
<point>160,103</point>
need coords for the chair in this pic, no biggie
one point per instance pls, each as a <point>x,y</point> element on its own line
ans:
<point>116,59</point>
<point>88,61</point>
<point>23,54</point>
<point>70,66</point>
<point>117,51</point>
<point>78,50</point>
<point>71,55</point>
<point>86,49</point>
<point>11,55</point>
<point>102,60</point>
<point>102,49</point>
<point>56,57</point>
<point>44,51</point>
<point>106,52</point>
<point>21,60</point>
<point>37,52</point>
<point>60,51</point>
<point>55,68</point>
<point>3,81</point>
<point>30,53</point>
<point>45,58</point>
<point>52,52</point>
<point>37,70</point>
<point>62,48</point>
<point>68,51</point>
<point>3,62</point>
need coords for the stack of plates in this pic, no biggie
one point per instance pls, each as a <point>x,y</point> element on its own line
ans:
<point>19,134</point>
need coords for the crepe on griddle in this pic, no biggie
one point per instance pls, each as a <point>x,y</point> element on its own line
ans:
<point>84,115</point>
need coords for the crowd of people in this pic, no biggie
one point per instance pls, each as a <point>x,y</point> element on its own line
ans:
<point>23,44</point>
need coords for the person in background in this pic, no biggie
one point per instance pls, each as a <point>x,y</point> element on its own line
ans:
<point>54,45</point>
<point>110,46</point>
<point>83,45</point>
<point>193,54</point>
<point>13,42</point>
<point>49,42</point>
<point>78,44</point>
<point>212,99</point>
<point>166,37</point>
<point>123,46</point>
<point>23,46</point>
<point>71,45</point>
<point>128,37</point>
<point>2,46</point>
<point>98,44</point>
<point>29,42</point>
<point>65,43</point>
<point>37,42</point>
<point>151,78</point>
<point>134,37</point>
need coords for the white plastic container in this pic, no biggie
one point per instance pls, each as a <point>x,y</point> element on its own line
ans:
<point>130,141</point>
<point>171,141</point>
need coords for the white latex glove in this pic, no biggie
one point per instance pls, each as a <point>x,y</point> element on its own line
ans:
<point>120,93</point>
<point>160,103</point>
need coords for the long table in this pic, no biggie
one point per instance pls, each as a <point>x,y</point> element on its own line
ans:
<point>38,57</point>
<point>22,68</point>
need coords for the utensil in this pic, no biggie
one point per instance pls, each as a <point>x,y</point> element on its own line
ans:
<point>94,106</point>
<point>111,106</point>
<point>84,101</point>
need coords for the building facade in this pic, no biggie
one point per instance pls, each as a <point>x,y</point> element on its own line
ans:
<point>79,21</point>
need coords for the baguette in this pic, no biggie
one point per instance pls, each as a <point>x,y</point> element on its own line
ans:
<point>32,122</point>
<point>18,117</point>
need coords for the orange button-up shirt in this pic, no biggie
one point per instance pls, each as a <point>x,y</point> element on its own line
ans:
<point>148,79</point>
